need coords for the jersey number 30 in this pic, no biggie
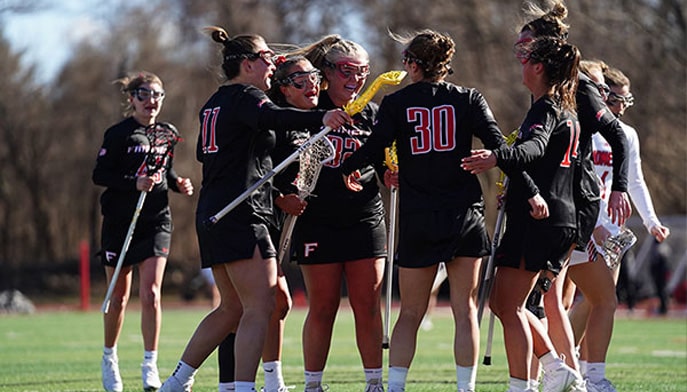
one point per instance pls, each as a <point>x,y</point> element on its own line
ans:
<point>436,129</point>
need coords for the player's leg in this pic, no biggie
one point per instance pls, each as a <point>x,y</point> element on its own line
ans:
<point>323,286</point>
<point>112,323</point>
<point>271,353</point>
<point>414,286</point>
<point>463,275</point>
<point>364,281</point>
<point>151,271</point>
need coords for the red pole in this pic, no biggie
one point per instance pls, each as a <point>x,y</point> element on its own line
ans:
<point>85,262</point>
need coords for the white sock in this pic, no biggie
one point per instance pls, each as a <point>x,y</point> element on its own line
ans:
<point>244,386</point>
<point>466,376</point>
<point>226,387</point>
<point>312,379</point>
<point>533,385</point>
<point>583,367</point>
<point>550,361</point>
<point>150,357</point>
<point>373,376</point>
<point>110,351</point>
<point>184,373</point>
<point>273,377</point>
<point>397,378</point>
<point>517,384</point>
<point>596,371</point>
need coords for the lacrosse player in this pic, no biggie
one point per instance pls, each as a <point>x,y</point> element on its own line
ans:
<point>441,210</point>
<point>342,234</point>
<point>592,318</point>
<point>234,144</point>
<point>122,168</point>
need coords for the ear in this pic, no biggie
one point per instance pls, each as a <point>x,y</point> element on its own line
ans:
<point>284,91</point>
<point>538,68</point>
<point>247,66</point>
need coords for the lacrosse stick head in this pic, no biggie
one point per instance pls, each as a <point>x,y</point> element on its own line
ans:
<point>390,78</point>
<point>162,138</point>
<point>310,162</point>
<point>501,182</point>
<point>615,247</point>
<point>391,157</point>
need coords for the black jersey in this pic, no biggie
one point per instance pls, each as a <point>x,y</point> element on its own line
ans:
<point>594,116</point>
<point>122,158</point>
<point>234,146</point>
<point>331,201</point>
<point>433,125</point>
<point>545,151</point>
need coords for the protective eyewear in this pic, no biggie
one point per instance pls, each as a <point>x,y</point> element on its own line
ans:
<point>346,70</point>
<point>301,79</point>
<point>409,57</point>
<point>523,50</point>
<point>144,94</point>
<point>266,55</point>
<point>604,90</point>
<point>614,99</point>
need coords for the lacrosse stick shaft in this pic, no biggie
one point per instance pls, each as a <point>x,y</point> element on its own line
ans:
<point>490,340</point>
<point>125,247</point>
<point>391,78</point>
<point>488,274</point>
<point>243,196</point>
<point>391,244</point>
<point>285,240</point>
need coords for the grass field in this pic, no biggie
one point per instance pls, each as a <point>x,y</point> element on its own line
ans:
<point>60,351</point>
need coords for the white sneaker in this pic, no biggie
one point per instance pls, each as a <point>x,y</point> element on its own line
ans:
<point>374,386</point>
<point>112,380</point>
<point>563,379</point>
<point>150,376</point>
<point>173,385</point>
<point>602,386</point>
<point>316,387</point>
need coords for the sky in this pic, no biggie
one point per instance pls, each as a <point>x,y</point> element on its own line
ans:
<point>47,36</point>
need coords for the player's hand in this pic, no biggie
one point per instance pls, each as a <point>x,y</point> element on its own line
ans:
<point>352,182</point>
<point>291,204</point>
<point>391,178</point>
<point>539,207</point>
<point>479,161</point>
<point>144,183</point>
<point>660,232</point>
<point>336,118</point>
<point>185,186</point>
<point>619,208</point>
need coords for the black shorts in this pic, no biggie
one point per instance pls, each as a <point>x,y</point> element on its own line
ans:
<point>543,247</point>
<point>229,240</point>
<point>587,214</point>
<point>324,243</point>
<point>429,238</point>
<point>150,238</point>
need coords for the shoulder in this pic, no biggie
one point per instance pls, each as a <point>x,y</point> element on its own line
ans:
<point>122,128</point>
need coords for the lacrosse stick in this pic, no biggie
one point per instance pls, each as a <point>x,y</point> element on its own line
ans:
<point>310,163</point>
<point>162,140</point>
<point>387,78</point>
<point>488,271</point>
<point>392,164</point>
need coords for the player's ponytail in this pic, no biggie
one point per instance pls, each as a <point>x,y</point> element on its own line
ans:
<point>234,50</point>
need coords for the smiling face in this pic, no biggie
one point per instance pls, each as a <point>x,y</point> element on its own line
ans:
<point>346,77</point>
<point>146,101</point>
<point>303,88</point>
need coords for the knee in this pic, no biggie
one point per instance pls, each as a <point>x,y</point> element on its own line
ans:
<point>283,304</point>
<point>150,296</point>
